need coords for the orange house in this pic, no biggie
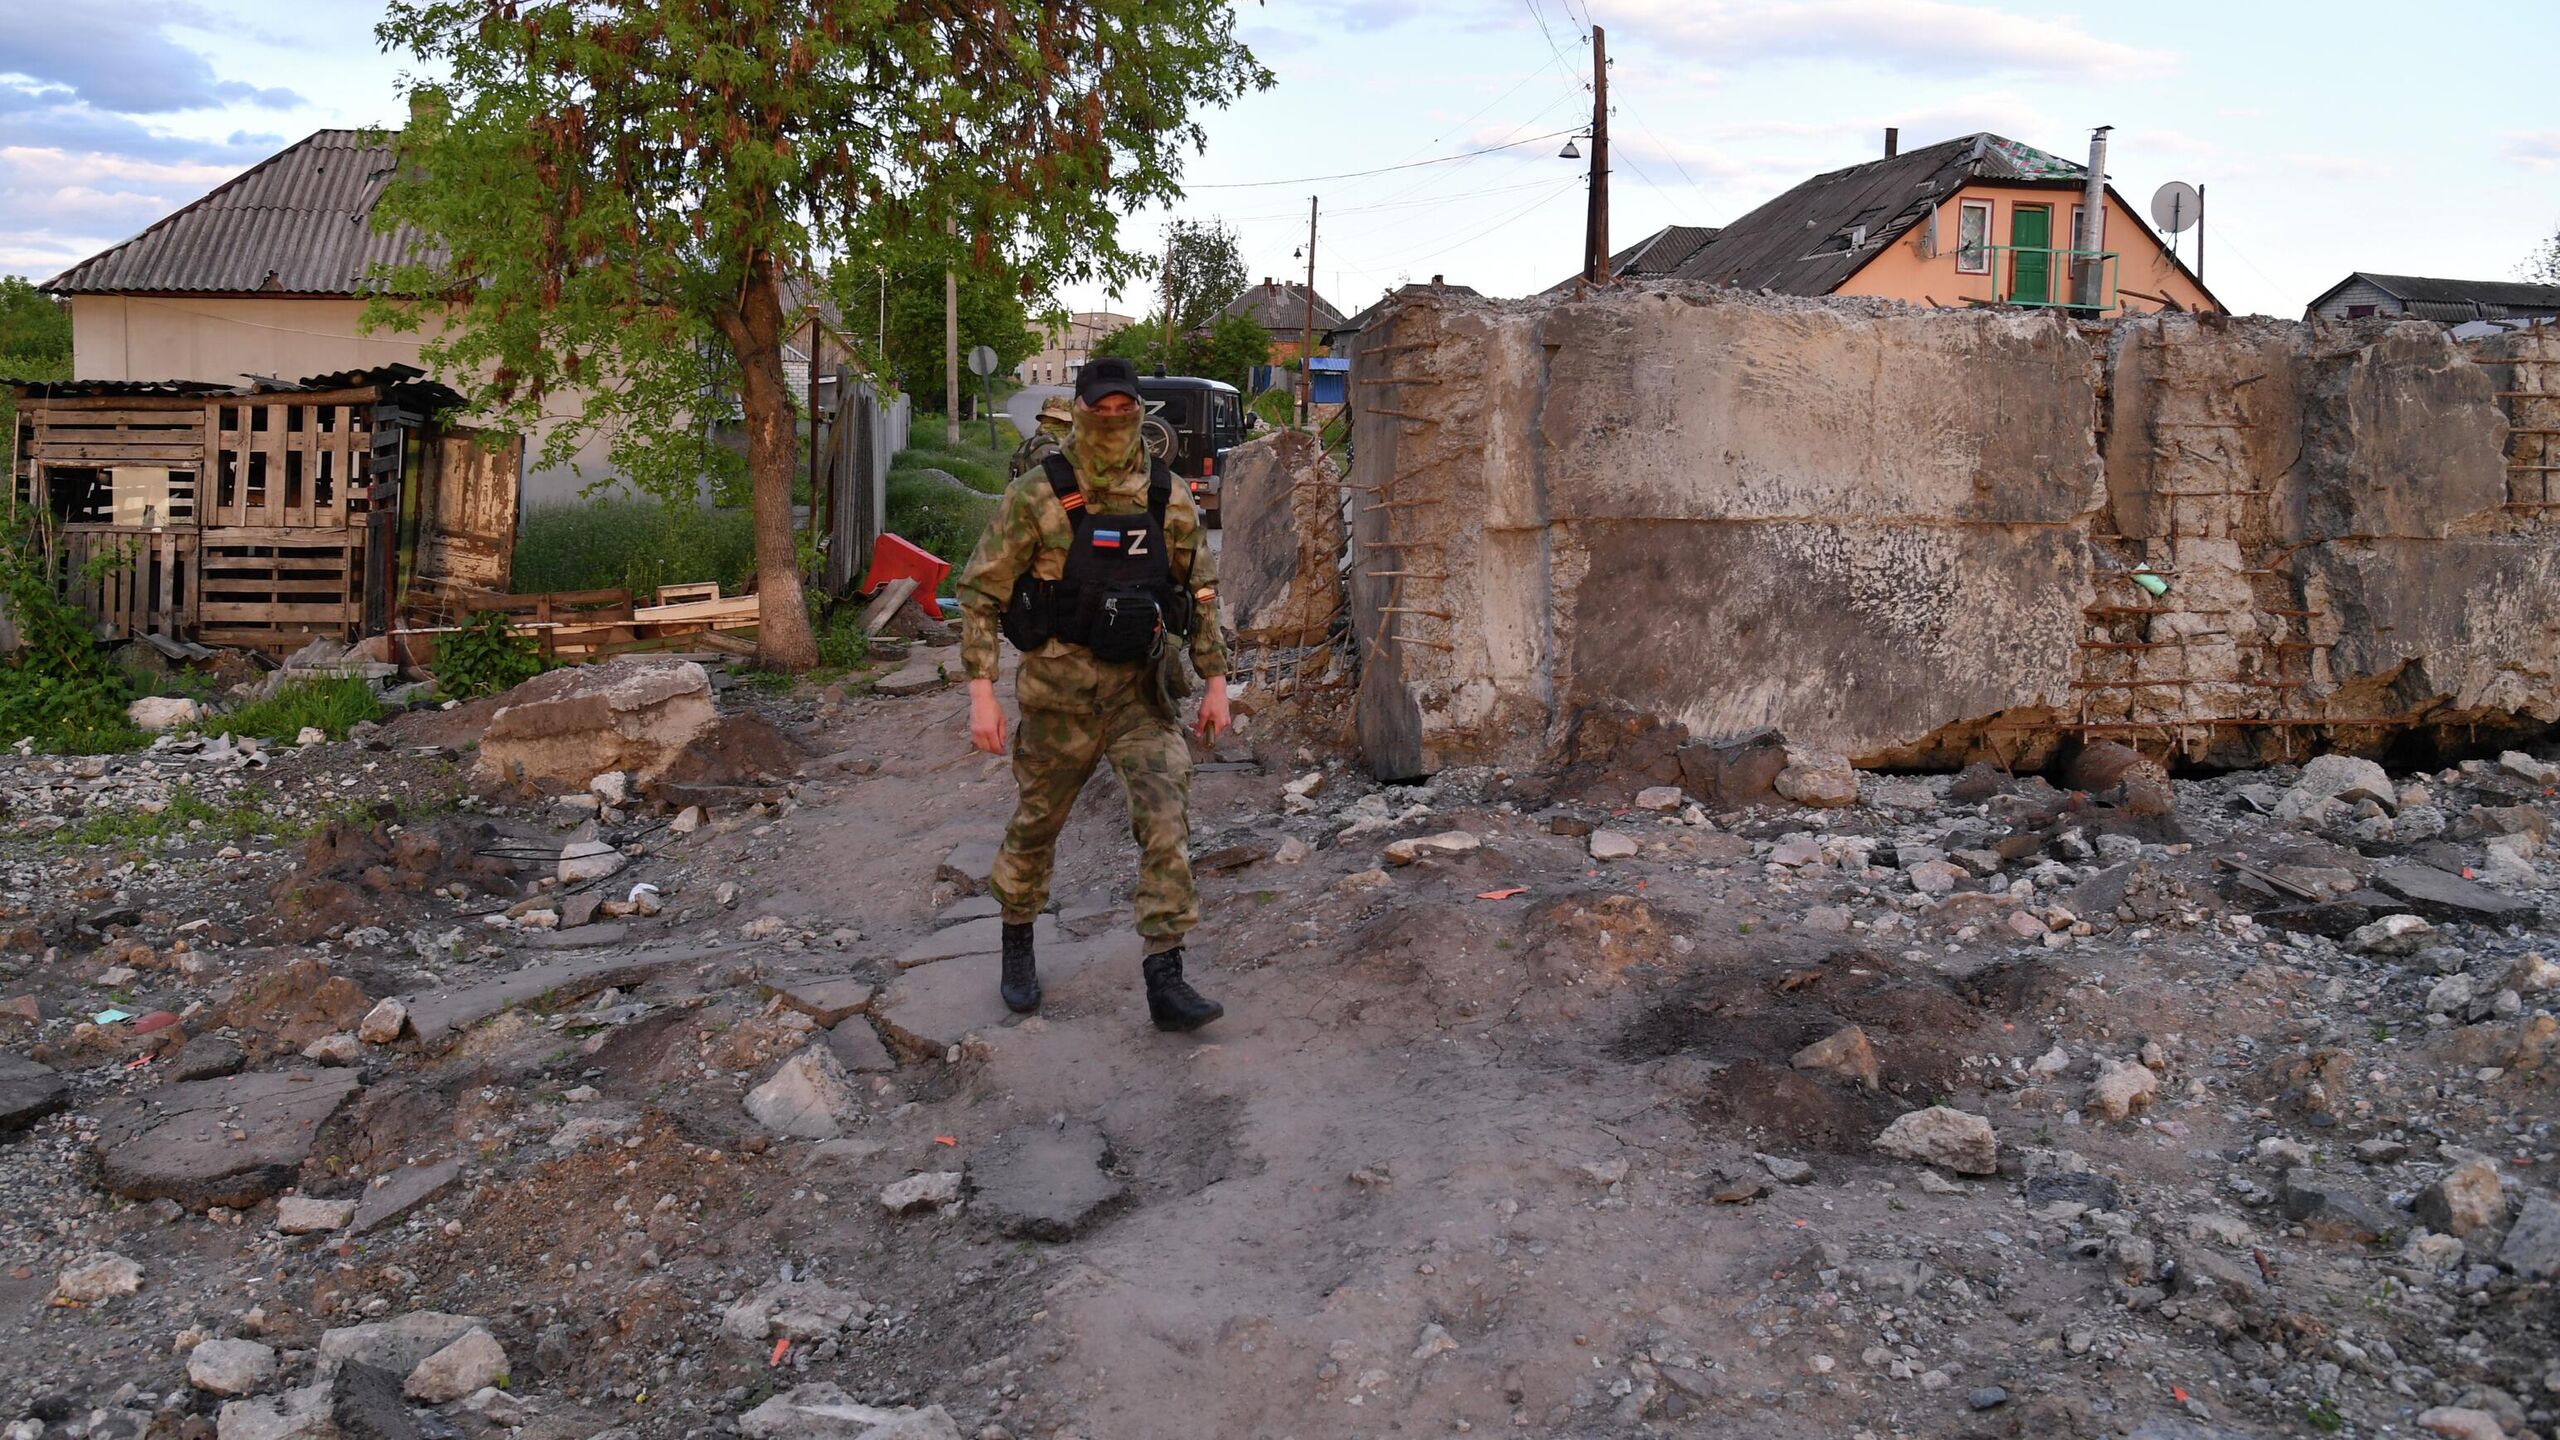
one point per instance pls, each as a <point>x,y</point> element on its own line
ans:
<point>1977,220</point>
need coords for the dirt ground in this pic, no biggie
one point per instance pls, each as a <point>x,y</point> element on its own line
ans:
<point>1508,1138</point>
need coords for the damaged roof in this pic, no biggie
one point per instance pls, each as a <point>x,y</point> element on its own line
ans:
<point>2453,301</point>
<point>406,384</point>
<point>1806,241</point>
<point>1657,256</point>
<point>296,223</point>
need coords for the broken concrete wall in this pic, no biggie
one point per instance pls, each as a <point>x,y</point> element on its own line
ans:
<point>1280,502</point>
<point>1913,536</point>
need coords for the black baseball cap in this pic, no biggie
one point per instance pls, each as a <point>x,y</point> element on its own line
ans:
<point>1109,375</point>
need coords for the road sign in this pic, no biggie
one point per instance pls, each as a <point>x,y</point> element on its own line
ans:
<point>2176,206</point>
<point>982,360</point>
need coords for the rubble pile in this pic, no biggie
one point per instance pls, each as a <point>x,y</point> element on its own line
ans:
<point>1691,1088</point>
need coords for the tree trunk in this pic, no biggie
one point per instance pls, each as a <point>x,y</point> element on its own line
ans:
<point>784,640</point>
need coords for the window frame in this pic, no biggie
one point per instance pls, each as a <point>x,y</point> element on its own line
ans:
<point>1981,260</point>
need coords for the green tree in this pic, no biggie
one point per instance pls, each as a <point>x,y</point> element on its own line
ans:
<point>35,344</point>
<point>1233,346</point>
<point>991,314</point>
<point>1203,271</point>
<point>1227,350</point>
<point>612,189</point>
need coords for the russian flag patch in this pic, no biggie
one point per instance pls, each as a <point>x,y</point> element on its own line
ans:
<point>1106,539</point>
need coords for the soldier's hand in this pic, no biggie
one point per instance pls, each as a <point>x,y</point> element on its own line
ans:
<point>986,717</point>
<point>1214,715</point>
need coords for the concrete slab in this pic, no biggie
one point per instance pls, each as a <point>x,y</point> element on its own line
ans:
<point>2442,896</point>
<point>232,1142</point>
<point>968,865</point>
<point>28,1092</point>
<point>435,1015</point>
<point>976,937</point>
<point>402,1191</point>
<point>858,1048</point>
<point>927,1011</point>
<point>975,907</point>
<point>828,1001</point>
<point>1041,1182</point>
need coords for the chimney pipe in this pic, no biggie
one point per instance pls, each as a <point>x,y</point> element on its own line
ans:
<point>2088,271</point>
<point>1892,141</point>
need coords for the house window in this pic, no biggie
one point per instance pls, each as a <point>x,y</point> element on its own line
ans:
<point>2359,312</point>
<point>1973,238</point>
<point>2080,239</point>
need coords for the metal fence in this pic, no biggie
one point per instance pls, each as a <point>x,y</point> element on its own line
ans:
<point>856,442</point>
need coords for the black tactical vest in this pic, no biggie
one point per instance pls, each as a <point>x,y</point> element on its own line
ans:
<point>1117,596</point>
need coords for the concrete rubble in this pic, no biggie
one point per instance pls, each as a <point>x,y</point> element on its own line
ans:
<point>1691,1083</point>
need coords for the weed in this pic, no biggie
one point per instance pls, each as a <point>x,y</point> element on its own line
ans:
<point>485,657</point>
<point>238,818</point>
<point>769,682</point>
<point>633,544</point>
<point>58,689</point>
<point>2381,1031</point>
<point>2322,1416</point>
<point>329,705</point>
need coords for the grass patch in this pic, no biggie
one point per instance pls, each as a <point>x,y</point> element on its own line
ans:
<point>632,544</point>
<point>330,705</point>
<point>254,812</point>
<point>930,511</point>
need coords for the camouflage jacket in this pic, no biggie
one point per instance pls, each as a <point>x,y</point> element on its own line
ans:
<point>1030,535</point>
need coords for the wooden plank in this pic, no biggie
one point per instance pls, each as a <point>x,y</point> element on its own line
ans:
<point>109,452</point>
<point>686,593</point>
<point>218,611</point>
<point>734,608</point>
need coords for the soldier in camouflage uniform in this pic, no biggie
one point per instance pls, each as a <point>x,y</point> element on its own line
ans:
<point>1047,438</point>
<point>1078,709</point>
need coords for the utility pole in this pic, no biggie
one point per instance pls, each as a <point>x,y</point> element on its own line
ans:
<point>951,349</point>
<point>1307,338</point>
<point>1168,297</point>
<point>1596,237</point>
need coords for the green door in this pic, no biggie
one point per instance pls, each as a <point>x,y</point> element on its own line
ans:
<point>2031,259</point>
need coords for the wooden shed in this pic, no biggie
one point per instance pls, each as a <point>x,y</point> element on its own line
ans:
<point>265,516</point>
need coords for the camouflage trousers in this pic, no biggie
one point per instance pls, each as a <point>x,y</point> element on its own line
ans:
<point>1054,752</point>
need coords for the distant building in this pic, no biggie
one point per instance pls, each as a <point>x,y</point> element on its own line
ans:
<point>2365,294</point>
<point>1657,256</point>
<point>1340,335</point>
<point>1977,220</point>
<point>1064,348</point>
<point>1284,307</point>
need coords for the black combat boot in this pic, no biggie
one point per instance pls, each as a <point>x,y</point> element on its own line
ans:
<point>1021,985</point>
<point>1171,1001</point>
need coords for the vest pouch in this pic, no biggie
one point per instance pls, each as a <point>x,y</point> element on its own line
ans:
<point>1031,620</point>
<point>1127,623</point>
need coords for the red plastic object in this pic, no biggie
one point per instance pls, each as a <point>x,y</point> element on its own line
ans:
<point>896,559</point>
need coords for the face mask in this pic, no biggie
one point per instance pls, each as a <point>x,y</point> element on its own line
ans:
<point>1110,441</point>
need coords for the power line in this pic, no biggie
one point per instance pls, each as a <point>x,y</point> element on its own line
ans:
<point>1381,170</point>
<point>1523,212</point>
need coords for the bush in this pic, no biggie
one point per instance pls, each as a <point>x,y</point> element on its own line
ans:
<point>632,544</point>
<point>59,689</point>
<point>485,657</point>
<point>331,705</point>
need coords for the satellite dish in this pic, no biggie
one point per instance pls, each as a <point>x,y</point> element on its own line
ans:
<point>2176,206</point>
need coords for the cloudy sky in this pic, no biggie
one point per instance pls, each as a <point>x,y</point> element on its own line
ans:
<point>2330,137</point>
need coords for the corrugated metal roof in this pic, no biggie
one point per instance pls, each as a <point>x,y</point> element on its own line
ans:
<point>2425,290</point>
<point>298,223</point>
<point>1803,242</point>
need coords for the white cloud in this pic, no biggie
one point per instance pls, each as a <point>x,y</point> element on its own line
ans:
<point>2533,149</point>
<point>1934,37</point>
